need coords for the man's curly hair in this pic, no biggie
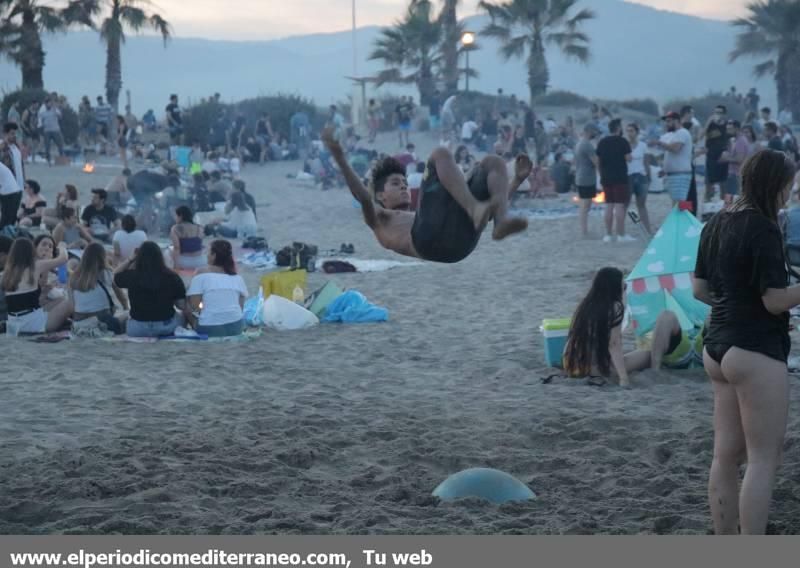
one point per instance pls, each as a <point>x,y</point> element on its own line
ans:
<point>385,168</point>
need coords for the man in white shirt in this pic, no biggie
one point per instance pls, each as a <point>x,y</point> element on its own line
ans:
<point>10,153</point>
<point>678,153</point>
<point>468,130</point>
<point>10,197</point>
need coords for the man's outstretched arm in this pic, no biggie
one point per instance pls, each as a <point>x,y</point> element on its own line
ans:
<point>353,181</point>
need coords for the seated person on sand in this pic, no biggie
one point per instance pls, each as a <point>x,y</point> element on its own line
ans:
<point>452,212</point>
<point>187,241</point>
<point>594,344</point>
<point>218,293</point>
<point>70,232</point>
<point>66,199</point>
<point>21,285</point>
<point>100,218</point>
<point>5,248</point>
<point>128,240</point>
<point>240,220</point>
<point>31,210</point>
<point>90,287</point>
<point>154,291</point>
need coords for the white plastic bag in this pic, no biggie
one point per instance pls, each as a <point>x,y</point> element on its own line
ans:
<point>284,315</point>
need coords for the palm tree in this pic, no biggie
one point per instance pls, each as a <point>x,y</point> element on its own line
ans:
<point>410,50</point>
<point>135,15</point>
<point>772,30</point>
<point>531,25</point>
<point>22,23</point>
<point>451,36</point>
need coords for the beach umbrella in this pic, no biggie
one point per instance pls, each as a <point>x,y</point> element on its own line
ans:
<point>662,279</point>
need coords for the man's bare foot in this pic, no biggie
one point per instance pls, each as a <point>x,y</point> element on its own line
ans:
<point>508,227</point>
<point>481,214</point>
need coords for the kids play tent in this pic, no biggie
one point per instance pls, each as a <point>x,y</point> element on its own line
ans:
<point>662,279</point>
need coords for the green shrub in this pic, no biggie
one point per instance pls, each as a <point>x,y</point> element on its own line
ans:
<point>562,99</point>
<point>645,106</point>
<point>704,106</point>
<point>26,97</point>
<point>199,118</point>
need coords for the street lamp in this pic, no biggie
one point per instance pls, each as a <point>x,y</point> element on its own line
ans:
<point>467,40</point>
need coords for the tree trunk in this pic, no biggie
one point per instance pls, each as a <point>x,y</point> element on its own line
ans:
<point>538,73</point>
<point>451,41</point>
<point>426,84</point>
<point>788,81</point>
<point>113,72</point>
<point>31,55</point>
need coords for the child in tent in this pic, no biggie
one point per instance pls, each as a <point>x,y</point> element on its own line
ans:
<point>594,344</point>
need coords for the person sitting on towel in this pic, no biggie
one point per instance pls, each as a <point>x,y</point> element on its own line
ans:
<point>453,212</point>
<point>594,343</point>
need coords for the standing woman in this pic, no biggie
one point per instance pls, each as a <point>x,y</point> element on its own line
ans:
<point>741,273</point>
<point>122,140</point>
<point>639,174</point>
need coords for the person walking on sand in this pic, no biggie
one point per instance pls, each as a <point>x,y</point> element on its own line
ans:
<point>741,273</point>
<point>453,212</point>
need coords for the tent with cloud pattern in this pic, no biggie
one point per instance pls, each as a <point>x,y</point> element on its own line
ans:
<point>662,279</point>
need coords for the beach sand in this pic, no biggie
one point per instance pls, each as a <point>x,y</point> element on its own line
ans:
<point>348,429</point>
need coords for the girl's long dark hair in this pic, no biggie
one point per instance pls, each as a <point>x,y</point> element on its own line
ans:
<point>149,266</point>
<point>223,256</point>
<point>599,312</point>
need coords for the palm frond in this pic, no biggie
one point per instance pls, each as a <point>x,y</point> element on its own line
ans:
<point>764,69</point>
<point>514,47</point>
<point>49,19</point>
<point>81,12</point>
<point>578,52</point>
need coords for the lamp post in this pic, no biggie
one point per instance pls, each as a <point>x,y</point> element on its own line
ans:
<point>467,41</point>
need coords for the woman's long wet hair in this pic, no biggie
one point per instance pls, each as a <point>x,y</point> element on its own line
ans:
<point>223,256</point>
<point>764,176</point>
<point>599,312</point>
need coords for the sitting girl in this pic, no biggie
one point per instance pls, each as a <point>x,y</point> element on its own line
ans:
<point>187,241</point>
<point>20,283</point>
<point>219,293</point>
<point>594,344</point>
<point>90,286</point>
<point>32,207</point>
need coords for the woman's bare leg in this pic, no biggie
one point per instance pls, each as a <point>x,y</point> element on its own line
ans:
<point>58,314</point>
<point>729,450</point>
<point>637,361</point>
<point>667,325</point>
<point>762,387</point>
<point>644,215</point>
<point>583,214</point>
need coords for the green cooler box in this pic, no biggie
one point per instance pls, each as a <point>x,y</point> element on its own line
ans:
<point>555,333</point>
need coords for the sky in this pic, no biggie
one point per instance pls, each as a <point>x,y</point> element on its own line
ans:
<point>269,19</point>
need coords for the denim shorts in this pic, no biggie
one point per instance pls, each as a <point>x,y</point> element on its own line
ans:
<point>152,328</point>
<point>638,184</point>
<point>224,330</point>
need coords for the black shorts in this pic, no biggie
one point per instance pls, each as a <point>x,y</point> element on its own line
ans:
<point>587,191</point>
<point>716,171</point>
<point>443,231</point>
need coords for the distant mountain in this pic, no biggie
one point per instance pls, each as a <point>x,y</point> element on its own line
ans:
<point>637,52</point>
